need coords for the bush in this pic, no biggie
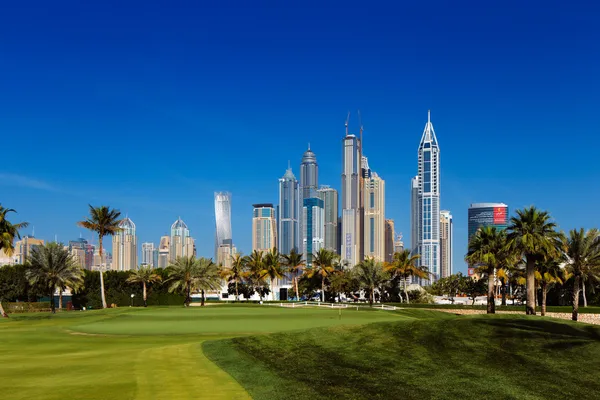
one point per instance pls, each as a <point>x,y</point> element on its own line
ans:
<point>23,307</point>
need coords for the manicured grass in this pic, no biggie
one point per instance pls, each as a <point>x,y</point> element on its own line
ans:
<point>495,357</point>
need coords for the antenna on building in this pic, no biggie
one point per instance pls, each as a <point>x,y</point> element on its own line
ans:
<point>289,165</point>
<point>428,116</point>
<point>347,120</point>
<point>309,145</point>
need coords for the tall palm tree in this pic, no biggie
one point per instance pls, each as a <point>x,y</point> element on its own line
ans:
<point>182,274</point>
<point>532,235</point>
<point>548,274</point>
<point>582,254</point>
<point>9,231</point>
<point>105,222</point>
<point>257,271</point>
<point>236,273</point>
<point>487,249</point>
<point>274,268</point>
<point>370,274</point>
<point>52,267</point>
<point>144,275</point>
<point>405,266</point>
<point>207,276</point>
<point>322,265</point>
<point>295,264</point>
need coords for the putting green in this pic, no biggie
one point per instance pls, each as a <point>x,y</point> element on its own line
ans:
<point>152,353</point>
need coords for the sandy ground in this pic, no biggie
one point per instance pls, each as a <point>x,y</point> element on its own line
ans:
<point>587,318</point>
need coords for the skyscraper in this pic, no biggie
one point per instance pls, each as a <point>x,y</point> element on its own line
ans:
<point>446,241</point>
<point>389,240</point>
<point>24,247</point>
<point>330,206</point>
<point>164,248</point>
<point>148,255</point>
<point>374,213</point>
<point>181,243</point>
<point>487,214</point>
<point>313,228</point>
<point>125,247</point>
<point>264,227</point>
<point>78,249</point>
<point>351,239</point>
<point>309,174</point>
<point>289,210</point>
<point>428,245</point>
<point>223,221</point>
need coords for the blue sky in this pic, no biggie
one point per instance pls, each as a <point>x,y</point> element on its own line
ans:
<point>151,107</point>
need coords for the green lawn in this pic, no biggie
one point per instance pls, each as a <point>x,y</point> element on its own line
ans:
<point>166,353</point>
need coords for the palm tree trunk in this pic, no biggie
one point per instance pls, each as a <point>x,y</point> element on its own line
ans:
<point>405,292</point>
<point>503,291</point>
<point>102,295</point>
<point>372,297</point>
<point>237,296</point>
<point>323,289</point>
<point>544,295</point>
<point>187,295</point>
<point>583,291</point>
<point>296,285</point>
<point>202,303</point>
<point>144,291</point>
<point>575,298</point>
<point>2,312</point>
<point>530,270</point>
<point>60,300</point>
<point>52,306</point>
<point>491,300</point>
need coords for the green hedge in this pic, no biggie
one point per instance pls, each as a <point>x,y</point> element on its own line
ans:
<point>23,307</point>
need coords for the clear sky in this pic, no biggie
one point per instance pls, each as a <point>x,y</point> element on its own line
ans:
<point>151,107</point>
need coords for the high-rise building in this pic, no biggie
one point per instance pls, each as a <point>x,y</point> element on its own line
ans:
<point>330,206</point>
<point>415,215</point>
<point>398,243</point>
<point>374,214</point>
<point>104,262</point>
<point>224,255</point>
<point>125,247</point>
<point>446,241</point>
<point>223,221</point>
<point>289,213</point>
<point>79,250</point>
<point>351,239</point>
<point>182,244</point>
<point>487,214</point>
<point>264,227</point>
<point>428,202</point>
<point>148,255</point>
<point>155,257</point>
<point>313,228</point>
<point>164,248</point>
<point>389,240</point>
<point>24,247</point>
<point>309,174</point>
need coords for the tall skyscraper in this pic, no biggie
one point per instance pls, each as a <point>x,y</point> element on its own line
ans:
<point>148,255</point>
<point>182,244</point>
<point>164,247</point>
<point>351,239</point>
<point>313,228</point>
<point>398,243</point>
<point>24,247</point>
<point>289,213</point>
<point>389,240</point>
<point>78,249</point>
<point>264,227</point>
<point>223,221</point>
<point>309,174</point>
<point>125,247</point>
<point>374,213</point>
<point>446,242</point>
<point>487,214</point>
<point>330,206</point>
<point>428,245</point>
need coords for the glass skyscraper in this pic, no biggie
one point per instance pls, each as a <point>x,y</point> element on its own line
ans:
<point>125,247</point>
<point>351,239</point>
<point>330,205</point>
<point>487,214</point>
<point>288,213</point>
<point>264,227</point>
<point>426,211</point>
<point>313,227</point>
<point>222,221</point>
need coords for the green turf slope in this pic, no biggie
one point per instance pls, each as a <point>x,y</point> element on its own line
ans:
<point>497,357</point>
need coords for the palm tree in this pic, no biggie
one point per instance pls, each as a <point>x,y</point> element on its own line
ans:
<point>582,254</point>
<point>105,222</point>
<point>207,276</point>
<point>533,236</point>
<point>323,266</point>
<point>370,274</point>
<point>52,267</point>
<point>9,231</point>
<point>236,272</point>
<point>273,268</point>
<point>548,274</point>
<point>405,266</point>
<point>257,271</point>
<point>144,275</point>
<point>487,249</point>
<point>295,265</point>
<point>182,275</point>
